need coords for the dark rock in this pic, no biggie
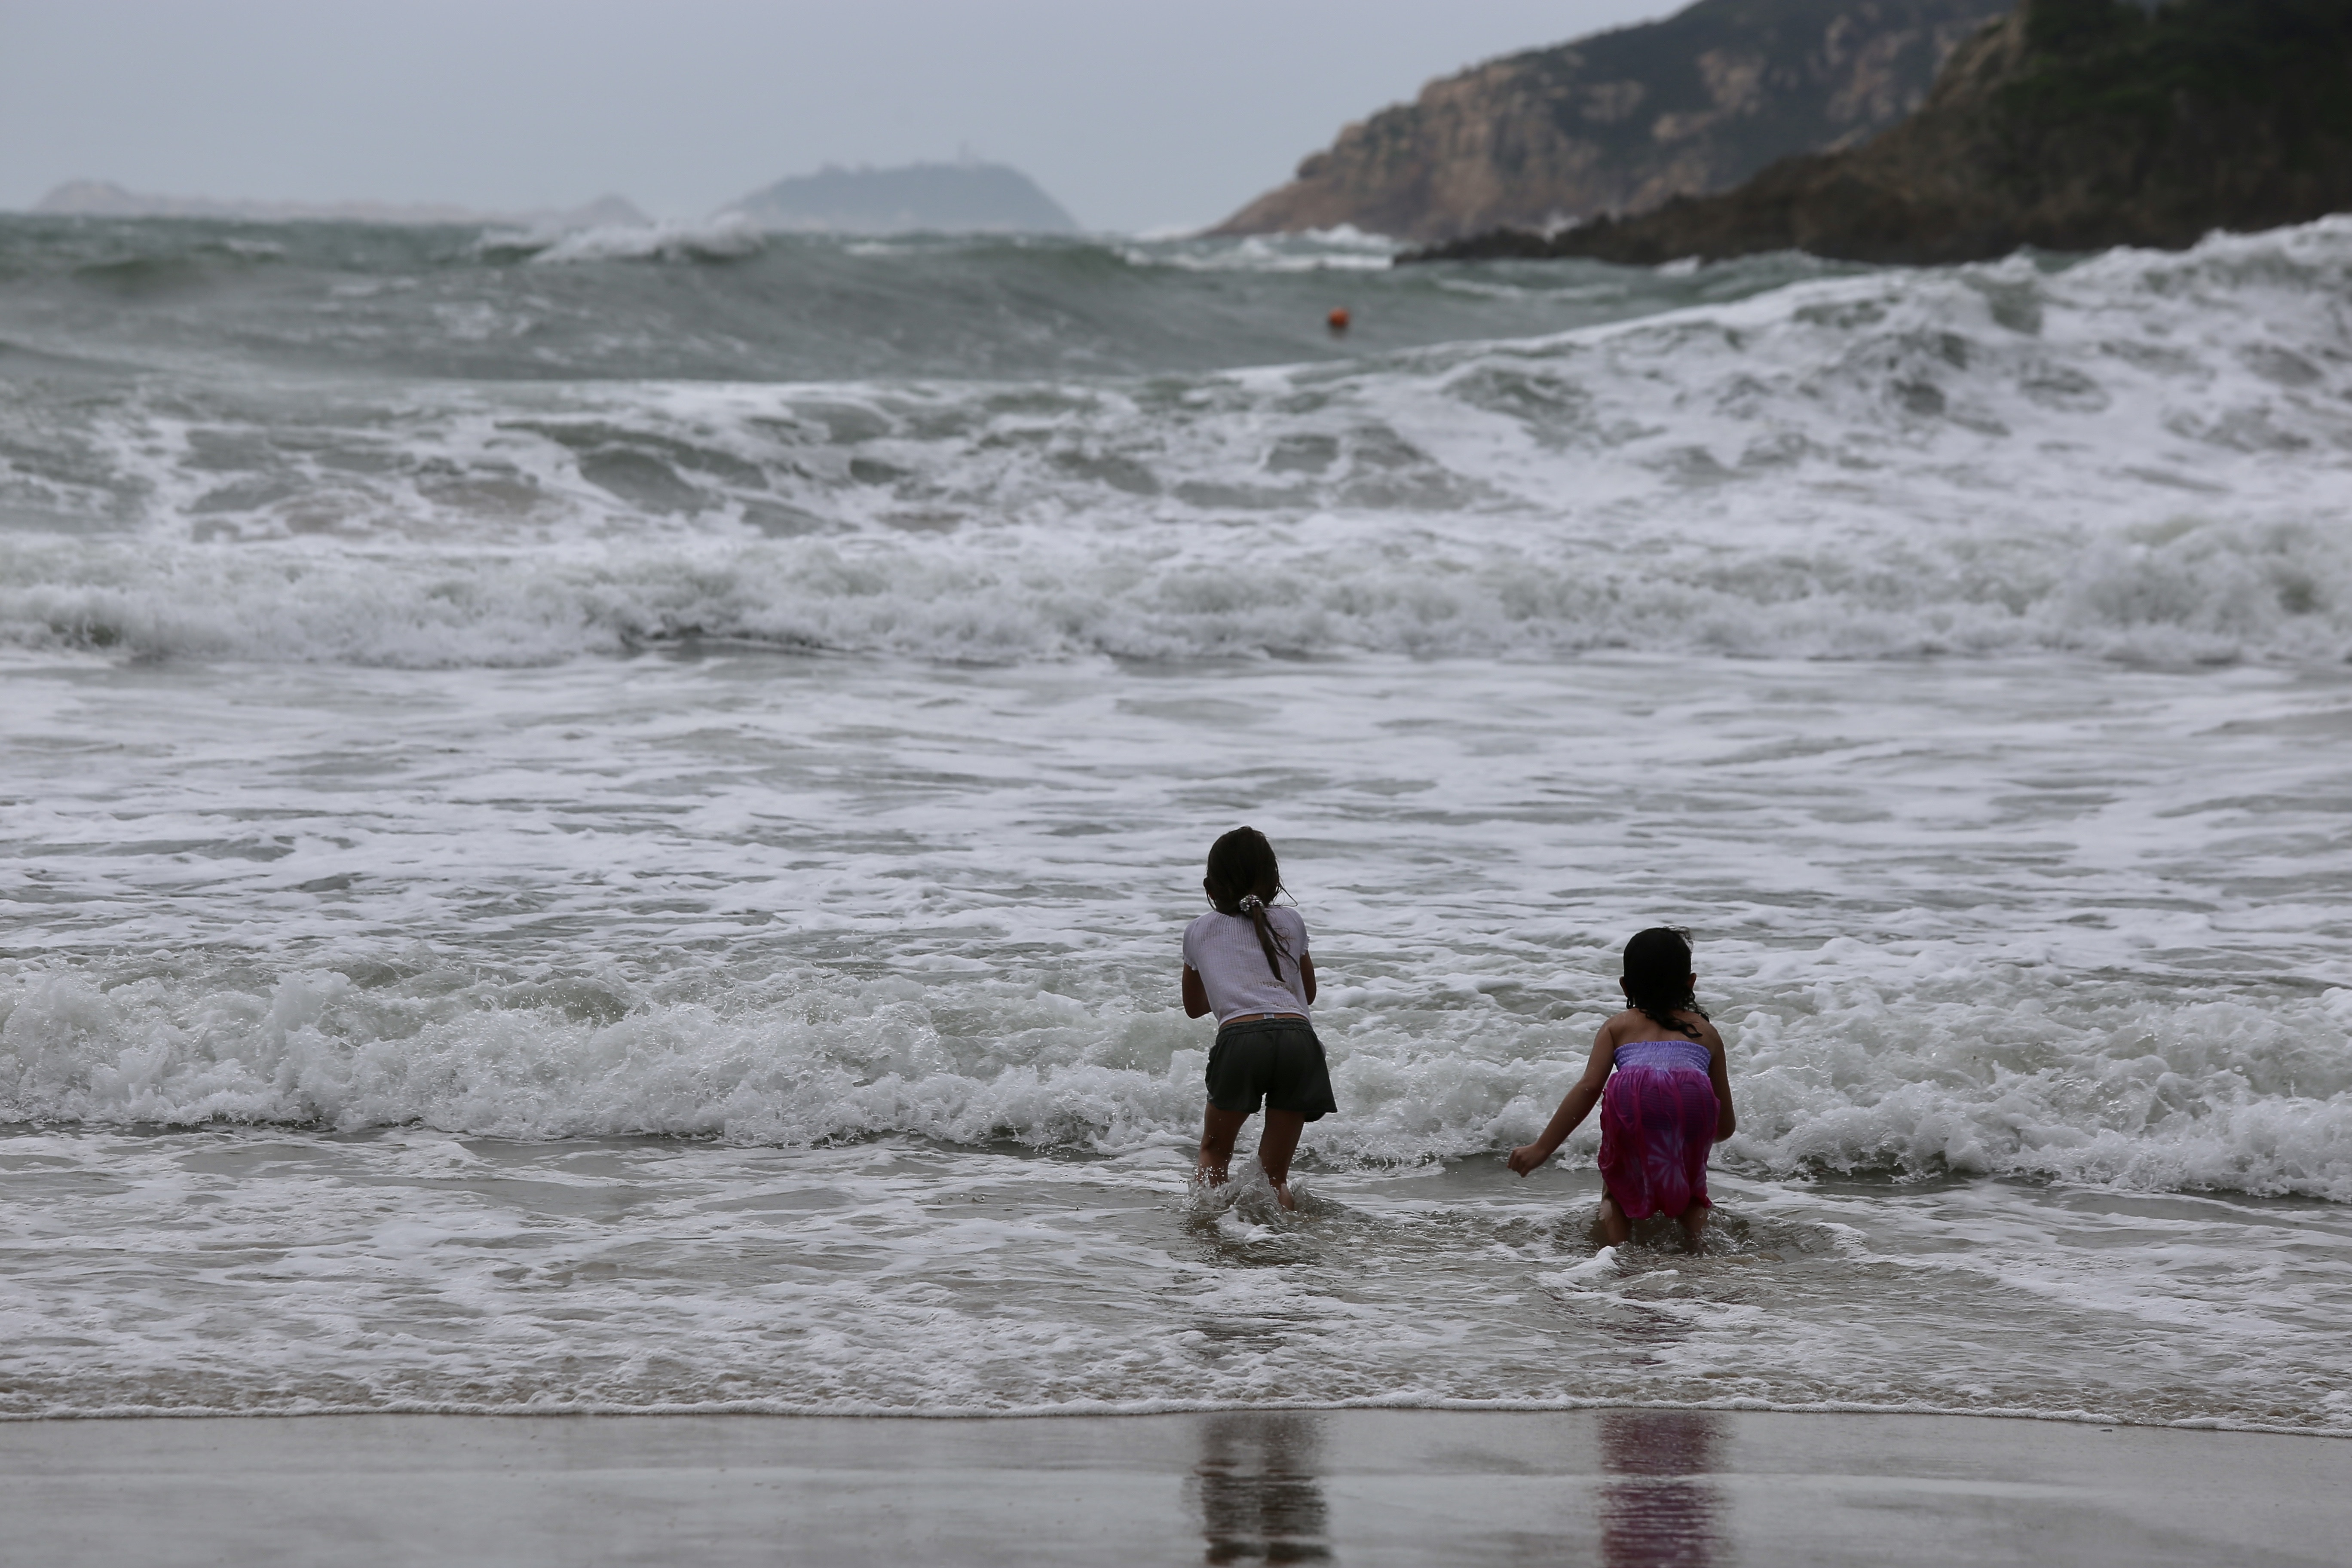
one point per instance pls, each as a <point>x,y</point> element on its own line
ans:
<point>2073,125</point>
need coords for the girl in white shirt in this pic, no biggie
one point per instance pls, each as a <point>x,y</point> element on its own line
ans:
<point>1246,962</point>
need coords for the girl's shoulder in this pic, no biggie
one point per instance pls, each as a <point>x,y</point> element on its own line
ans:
<point>1288,923</point>
<point>1632,1024</point>
<point>1712,1039</point>
<point>1619,1022</point>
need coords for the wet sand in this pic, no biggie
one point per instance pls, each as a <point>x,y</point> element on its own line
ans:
<point>1619,1487</point>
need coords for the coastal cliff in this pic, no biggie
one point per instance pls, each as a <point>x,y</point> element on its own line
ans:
<point>2072,125</point>
<point>1624,120</point>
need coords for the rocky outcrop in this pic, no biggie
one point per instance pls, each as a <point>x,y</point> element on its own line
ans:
<point>2073,125</point>
<point>1623,120</point>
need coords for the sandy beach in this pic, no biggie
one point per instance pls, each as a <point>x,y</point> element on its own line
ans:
<point>1614,1487</point>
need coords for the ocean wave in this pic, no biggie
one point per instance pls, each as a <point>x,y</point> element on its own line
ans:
<point>2200,592</point>
<point>1342,250</point>
<point>376,305</point>
<point>2134,457</point>
<point>2216,1095</point>
<point>726,238</point>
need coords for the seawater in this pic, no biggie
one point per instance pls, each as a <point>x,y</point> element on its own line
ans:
<point>602,823</point>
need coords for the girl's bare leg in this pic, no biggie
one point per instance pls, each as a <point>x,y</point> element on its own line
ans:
<point>1694,1220</point>
<point>1218,1130</point>
<point>1613,1223</point>
<point>1275,1145</point>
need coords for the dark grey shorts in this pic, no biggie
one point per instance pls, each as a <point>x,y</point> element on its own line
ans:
<point>1278,1060</point>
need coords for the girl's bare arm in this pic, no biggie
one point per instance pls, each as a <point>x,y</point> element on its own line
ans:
<point>1718,1072</point>
<point>1573,1109</point>
<point>1196,995</point>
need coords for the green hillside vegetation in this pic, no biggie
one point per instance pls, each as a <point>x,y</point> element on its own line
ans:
<point>2110,60</point>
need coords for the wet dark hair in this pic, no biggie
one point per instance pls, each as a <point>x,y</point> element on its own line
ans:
<point>1241,866</point>
<point>1657,978</point>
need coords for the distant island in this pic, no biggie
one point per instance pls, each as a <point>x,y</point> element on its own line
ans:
<point>1625,120</point>
<point>946,198</point>
<point>2073,125</point>
<point>98,199</point>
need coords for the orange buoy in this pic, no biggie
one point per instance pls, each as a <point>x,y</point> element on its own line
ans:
<point>1337,320</point>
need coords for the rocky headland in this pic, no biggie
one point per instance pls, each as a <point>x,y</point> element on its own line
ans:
<point>1623,120</point>
<point>2071,125</point>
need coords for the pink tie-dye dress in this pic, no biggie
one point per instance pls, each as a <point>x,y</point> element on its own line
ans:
<point>1657,1123</point>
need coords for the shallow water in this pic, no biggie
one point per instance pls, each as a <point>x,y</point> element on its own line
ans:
<point>539,939</point>
<point>408,1269</point>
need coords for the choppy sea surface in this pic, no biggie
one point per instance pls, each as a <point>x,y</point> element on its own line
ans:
<point>603,822</point>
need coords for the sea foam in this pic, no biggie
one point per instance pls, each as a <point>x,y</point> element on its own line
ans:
<point>2189,590</point>
<point>2215,1095</point>
<point>458,964</point>
<point>2132,457</point>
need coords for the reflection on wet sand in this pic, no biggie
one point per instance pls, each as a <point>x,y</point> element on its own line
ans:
<point>1257,1490</point>
<point>1659,1510</point>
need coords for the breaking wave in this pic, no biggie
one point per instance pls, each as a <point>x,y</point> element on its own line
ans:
<point>2135,456</point>
<point>2193,591</point>
<point>2220,1094</point>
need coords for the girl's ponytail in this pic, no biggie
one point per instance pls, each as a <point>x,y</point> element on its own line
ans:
<point>1240,864</point>
<point>1254,907</point>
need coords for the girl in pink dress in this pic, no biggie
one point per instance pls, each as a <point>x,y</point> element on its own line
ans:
<point>1657,1072</point>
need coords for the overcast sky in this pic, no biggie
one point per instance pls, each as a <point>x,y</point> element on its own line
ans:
<point>1135,114</point>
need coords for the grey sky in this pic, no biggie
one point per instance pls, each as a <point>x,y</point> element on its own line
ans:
<point>1135,115</point>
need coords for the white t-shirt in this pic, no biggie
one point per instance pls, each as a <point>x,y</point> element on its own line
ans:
<point>1224,949</point>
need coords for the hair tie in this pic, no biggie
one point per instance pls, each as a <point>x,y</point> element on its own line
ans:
<point>1252,903</point>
